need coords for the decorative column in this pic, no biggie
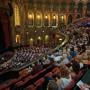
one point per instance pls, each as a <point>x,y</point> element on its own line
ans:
<point>24,21</point>
<point>12,24</point>
<point>43,12</point>
<point>84,7</point>
<point>75,10</point>
<point>59,11</point>
<point>51,12</point>
<point>67,13</point>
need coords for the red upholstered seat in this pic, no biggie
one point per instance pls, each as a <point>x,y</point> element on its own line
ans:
<point>39,84</point>
<point>49,74</point>
<point>34,76</point>
<point>55,69</point>
<point>40,81</point>
<point>3,86</point>
<point>12,81</point>
<point>31,87</point>
<point>25,80</point>
<point>7,88</point>
<point>41,71</point>
<point>20,83</point>
<point>71,85</point>
<point>79,74</point>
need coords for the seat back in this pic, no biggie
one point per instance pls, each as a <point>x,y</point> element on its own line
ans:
<point>49,74</point>
<point>40,81</point>
<point>71,85</point>
<point>31,87</point>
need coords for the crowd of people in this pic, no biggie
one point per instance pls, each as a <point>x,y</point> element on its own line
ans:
<point>69,58</point>
<point>23,56</point>
<point>5,61</point>
<point>73,54</point>
<point>80,35</point>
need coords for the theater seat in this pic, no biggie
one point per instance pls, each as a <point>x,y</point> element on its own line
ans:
<point>71,85</point>
<point>56,70</point>
<point>3,86</point>
<point>79,74</point>
<point>49,74</point>
<point>12,81</point>
<point>39,84</point>
<point>34,76</point>
<point>7,88</point>
<point>25,80</point>
<point>20,83</point>
<point>41,80</point>
<point>31,87</point>
<point>41,71</point>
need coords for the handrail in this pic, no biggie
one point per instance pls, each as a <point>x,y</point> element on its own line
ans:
<point>64,42</point>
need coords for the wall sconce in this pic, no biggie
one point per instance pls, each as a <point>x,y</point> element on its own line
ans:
<point>46,17</point>
<point>38,17</point>
<point>30,16</point>
<point>54,17</point>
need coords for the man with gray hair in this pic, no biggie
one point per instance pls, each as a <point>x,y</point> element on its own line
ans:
<point>52,85</point>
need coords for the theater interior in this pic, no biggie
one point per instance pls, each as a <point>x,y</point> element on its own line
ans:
<point>44,44</point>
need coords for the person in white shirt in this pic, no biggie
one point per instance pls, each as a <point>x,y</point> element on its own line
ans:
<point>65,59</point>
<point>65,78</point>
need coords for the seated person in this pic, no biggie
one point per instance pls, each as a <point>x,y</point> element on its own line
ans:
<point>85,55</point>
<point>57,79</point>
<point>73,53</point>
<point>83,48</point>
<point>69,56</point>
<point>79,60</point>
<point>52,85</point>
<point>65,59</point>
<point>46,60</point>
<point>36,68</point>
<point>65,77</point>
<point>75,66</point>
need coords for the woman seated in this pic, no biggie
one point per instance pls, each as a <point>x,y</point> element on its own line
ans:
<point>52,85</point>
<point>65,60</point>
<point>65,78</point>
<point>77,68</point>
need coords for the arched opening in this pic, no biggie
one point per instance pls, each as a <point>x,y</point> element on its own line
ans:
<point>69,19</point>
<point>78,16</point>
